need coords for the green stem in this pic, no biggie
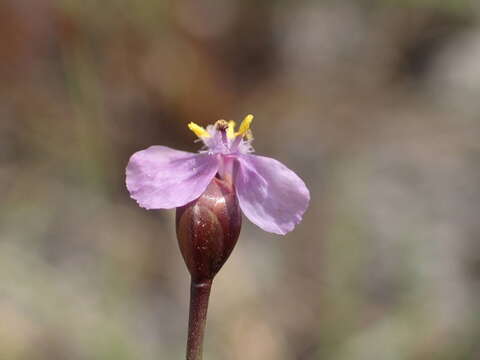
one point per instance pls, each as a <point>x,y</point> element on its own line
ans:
<point>199,295</point>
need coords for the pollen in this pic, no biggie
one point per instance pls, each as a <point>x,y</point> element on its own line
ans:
<point>231,129</point>
<point>245,126</point>
<point>198,130</point>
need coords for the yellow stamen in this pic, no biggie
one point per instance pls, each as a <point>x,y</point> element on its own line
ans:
<point>231,129</point>
<point>245,125</point>
<point>198,130</point>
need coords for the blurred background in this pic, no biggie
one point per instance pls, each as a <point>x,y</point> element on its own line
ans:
<point>374,103</point>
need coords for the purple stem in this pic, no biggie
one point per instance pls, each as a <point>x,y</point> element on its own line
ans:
<point>199,295</point>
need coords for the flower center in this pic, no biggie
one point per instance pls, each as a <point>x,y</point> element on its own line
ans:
<point>221,125</point>
<point>221,137</point>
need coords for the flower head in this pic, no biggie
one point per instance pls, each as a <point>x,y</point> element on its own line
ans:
<point>270,195</point>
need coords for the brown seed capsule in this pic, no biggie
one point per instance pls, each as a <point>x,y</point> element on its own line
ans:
<point>208,229</point>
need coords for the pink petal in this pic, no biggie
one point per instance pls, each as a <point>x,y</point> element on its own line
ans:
<point>271,195</point>
<point>163,178</point>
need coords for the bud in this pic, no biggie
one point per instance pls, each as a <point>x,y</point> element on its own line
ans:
<point>208,229</point>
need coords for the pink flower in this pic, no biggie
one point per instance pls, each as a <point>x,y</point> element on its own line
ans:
<point>270,195</point>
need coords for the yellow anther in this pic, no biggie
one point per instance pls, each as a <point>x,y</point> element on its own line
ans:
<point>231,129</point>
<point>245,125</point>
<point>198,130</point>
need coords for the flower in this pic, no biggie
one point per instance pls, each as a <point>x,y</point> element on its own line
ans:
<point>270,195</point>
